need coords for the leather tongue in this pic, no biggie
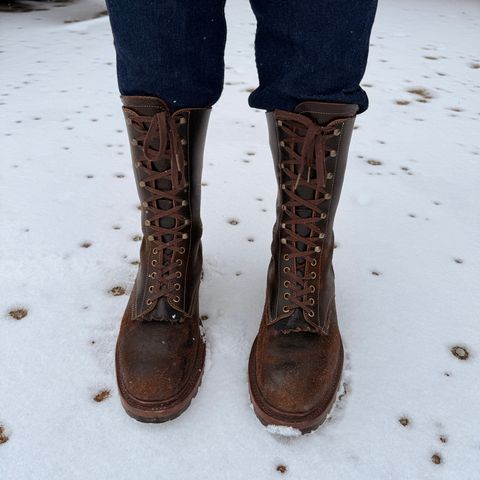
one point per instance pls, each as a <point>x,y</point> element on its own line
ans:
<point>324,113</point>
<point>164,312</point>
<point>294,322</point>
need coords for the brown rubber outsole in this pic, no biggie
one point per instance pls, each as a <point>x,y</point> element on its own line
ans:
<point>267,415</point>
<point>151,412</point>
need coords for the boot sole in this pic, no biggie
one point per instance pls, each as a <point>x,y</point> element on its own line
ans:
<point>151,412</point>
<point>268,416</point>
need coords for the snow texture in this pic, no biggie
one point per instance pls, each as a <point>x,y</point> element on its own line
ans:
<point>407,262</point>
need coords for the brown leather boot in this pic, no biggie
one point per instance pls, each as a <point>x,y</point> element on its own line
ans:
<point>297,358</point>
<point>160,348</point>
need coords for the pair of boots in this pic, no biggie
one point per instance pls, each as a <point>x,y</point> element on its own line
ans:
<point>296,360</point>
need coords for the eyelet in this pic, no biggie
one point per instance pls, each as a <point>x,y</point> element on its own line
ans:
<point>184,236</point>
<point>313,263</point>
<point>183,141</point>
<point>179,261</point>
<point>178,274</point>
<point>142,184</point>
<point>153,275</point>
<point>155,251</point>
<point>144,204</point>
<point>283,241</point>
<point>154,262</point>
<point>279,123</point>
<point>176,299</point>
<point>311,314</point>
<point>329,176</point>
<point>286,257</point>
<point>313,275</point>
<point>149,302</point>
<point>282,143</point>
<point>321,235</point>
<point>177,286</point>
<point>312,288</point>
<point>182,250</point>
<point>323,216</point>
<point>138,164</point>
<point>327,196</point>
<point>146,223</point>
<point>286,283</point>
<point>311,301</point>
<point>134,142</point>
<point>337,132</point>
<point>286,295</point>
<point>285,309</point>
<point>150,288</point>
<point>333,153</point>
<point>286,269</point>
<point>318,249</point>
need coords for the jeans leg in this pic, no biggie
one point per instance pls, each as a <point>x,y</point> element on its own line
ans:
<point>172,49</point>
<point>311,50</point>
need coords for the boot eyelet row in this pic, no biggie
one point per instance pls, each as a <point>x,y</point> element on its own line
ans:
<point>285,309</point>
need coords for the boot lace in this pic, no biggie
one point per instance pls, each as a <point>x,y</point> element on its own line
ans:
<point>304,215</point>
<point>164,185</point>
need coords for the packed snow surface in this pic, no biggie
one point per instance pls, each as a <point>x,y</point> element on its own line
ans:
<point>407,261</point>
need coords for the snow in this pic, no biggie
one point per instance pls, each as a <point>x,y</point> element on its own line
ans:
<point>407,262</point>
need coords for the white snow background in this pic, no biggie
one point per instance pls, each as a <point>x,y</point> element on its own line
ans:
<point>407,262</point>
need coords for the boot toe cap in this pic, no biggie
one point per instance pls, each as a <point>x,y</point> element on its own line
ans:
<point>156,360</point>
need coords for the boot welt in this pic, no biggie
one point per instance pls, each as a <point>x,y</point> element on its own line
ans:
<point>304,422</point>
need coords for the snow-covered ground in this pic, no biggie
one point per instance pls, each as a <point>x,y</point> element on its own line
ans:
<point>407,261</point>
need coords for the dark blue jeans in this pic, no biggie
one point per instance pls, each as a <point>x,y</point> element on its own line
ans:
<point>305,50</point>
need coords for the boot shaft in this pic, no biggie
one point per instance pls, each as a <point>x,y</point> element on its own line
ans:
<point>167,154</point>
<point>310,149</point>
